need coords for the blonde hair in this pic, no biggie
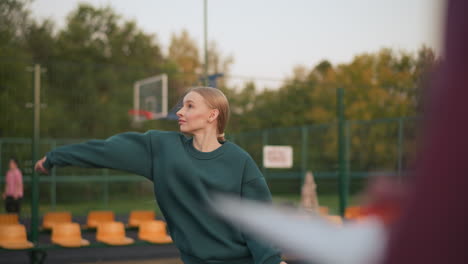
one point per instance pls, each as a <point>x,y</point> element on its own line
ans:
<point>215,99</point>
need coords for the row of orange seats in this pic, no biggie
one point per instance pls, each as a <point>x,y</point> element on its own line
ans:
<point>387,213</point>
<point>111,233</point>
<point>94,218</point>
<point>13,236</point>
<point>138,216</point>
<point>68,234</point>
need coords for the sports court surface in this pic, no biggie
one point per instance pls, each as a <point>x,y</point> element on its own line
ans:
<point>151,261</point>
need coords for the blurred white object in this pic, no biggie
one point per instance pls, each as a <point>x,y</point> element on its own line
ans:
<point>310,237</point>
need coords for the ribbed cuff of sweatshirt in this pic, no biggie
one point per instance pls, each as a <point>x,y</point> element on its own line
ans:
<point>48,162</point>
<point>275,259</point>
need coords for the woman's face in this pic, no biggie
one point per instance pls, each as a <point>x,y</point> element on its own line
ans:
<point>195,113</point>
<point>13,164</point>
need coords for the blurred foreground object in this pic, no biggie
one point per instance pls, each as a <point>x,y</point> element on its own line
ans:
<point>433,227</point>
<point>386,196</point>
<point>311,238</point>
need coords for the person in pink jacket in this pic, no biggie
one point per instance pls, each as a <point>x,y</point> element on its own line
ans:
<point>13,188</point>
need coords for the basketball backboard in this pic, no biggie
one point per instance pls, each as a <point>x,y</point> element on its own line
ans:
<point>150,95</point>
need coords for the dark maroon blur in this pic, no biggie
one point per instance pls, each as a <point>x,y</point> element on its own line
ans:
<point>434,224</point>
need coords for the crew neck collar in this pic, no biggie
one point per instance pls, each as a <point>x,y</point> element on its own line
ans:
<point>205,155</point>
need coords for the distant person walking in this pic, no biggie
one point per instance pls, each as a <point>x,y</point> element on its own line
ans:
<point>13,188</point>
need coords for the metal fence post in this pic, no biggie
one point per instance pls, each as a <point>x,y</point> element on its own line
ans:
<point>305,149</point>
<point>53,184</point>
<point>341,151</point>
<point>347,151</point>
<point>1,155</point>
<point>264,143</point>
<point>106,188</point>
<point>400,146</point>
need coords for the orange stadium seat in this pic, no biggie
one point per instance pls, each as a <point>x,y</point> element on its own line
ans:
<point>97,217</point>
<point>137,217</point>
<point>68,235</point>
<point>387,212</point>
<point>353,213</point>
<point>52,218</point>
<point>14,237</point>
<point>154,232</point>
<point>8,219</point>
<point>112,233</point>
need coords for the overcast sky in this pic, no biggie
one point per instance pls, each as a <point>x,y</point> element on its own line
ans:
<point>267,38</point>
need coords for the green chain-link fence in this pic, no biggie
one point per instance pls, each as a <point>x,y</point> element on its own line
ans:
<point>373,148</point>
<point>376,147</point>
<point>80,101</point>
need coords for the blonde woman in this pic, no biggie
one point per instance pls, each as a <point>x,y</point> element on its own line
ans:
<point>185,171</point>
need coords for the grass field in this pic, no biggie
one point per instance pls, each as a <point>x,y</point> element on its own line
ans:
<point>124,206</point>
<point>329,200</point>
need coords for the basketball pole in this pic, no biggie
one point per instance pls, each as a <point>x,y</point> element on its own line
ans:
<point>35,156</point>
<point>35,256</point>
<point>205,31</point>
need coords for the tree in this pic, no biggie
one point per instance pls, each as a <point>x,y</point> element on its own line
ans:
<point>218,63</point>
<point>184,55</point>
<point>378,85</point>
<point>15,82</point>
<point>100,57</point>
<point>183,51</point>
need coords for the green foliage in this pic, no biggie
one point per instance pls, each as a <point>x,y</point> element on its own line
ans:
<point>93,61</point>
<point>382,85</point>
<point>14,57</point>
<point>91,65</point>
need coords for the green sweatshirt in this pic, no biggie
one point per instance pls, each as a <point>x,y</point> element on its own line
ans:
<point>183,179</point>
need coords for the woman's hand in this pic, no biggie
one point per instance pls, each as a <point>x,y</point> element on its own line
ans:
<point>40,166</point>
<point>283,262</point>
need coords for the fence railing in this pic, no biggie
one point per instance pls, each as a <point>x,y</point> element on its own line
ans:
<point>372,147</point>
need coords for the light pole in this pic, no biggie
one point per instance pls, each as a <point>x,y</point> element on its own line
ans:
<point>205,25</point>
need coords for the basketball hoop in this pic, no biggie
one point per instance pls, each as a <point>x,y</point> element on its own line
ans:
<point>150,98</point>
<point>141,113</point>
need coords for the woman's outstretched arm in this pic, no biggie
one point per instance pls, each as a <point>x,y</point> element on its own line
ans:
<point>130,151</point>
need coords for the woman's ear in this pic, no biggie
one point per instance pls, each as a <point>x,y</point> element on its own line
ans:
<point>213,115</point>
